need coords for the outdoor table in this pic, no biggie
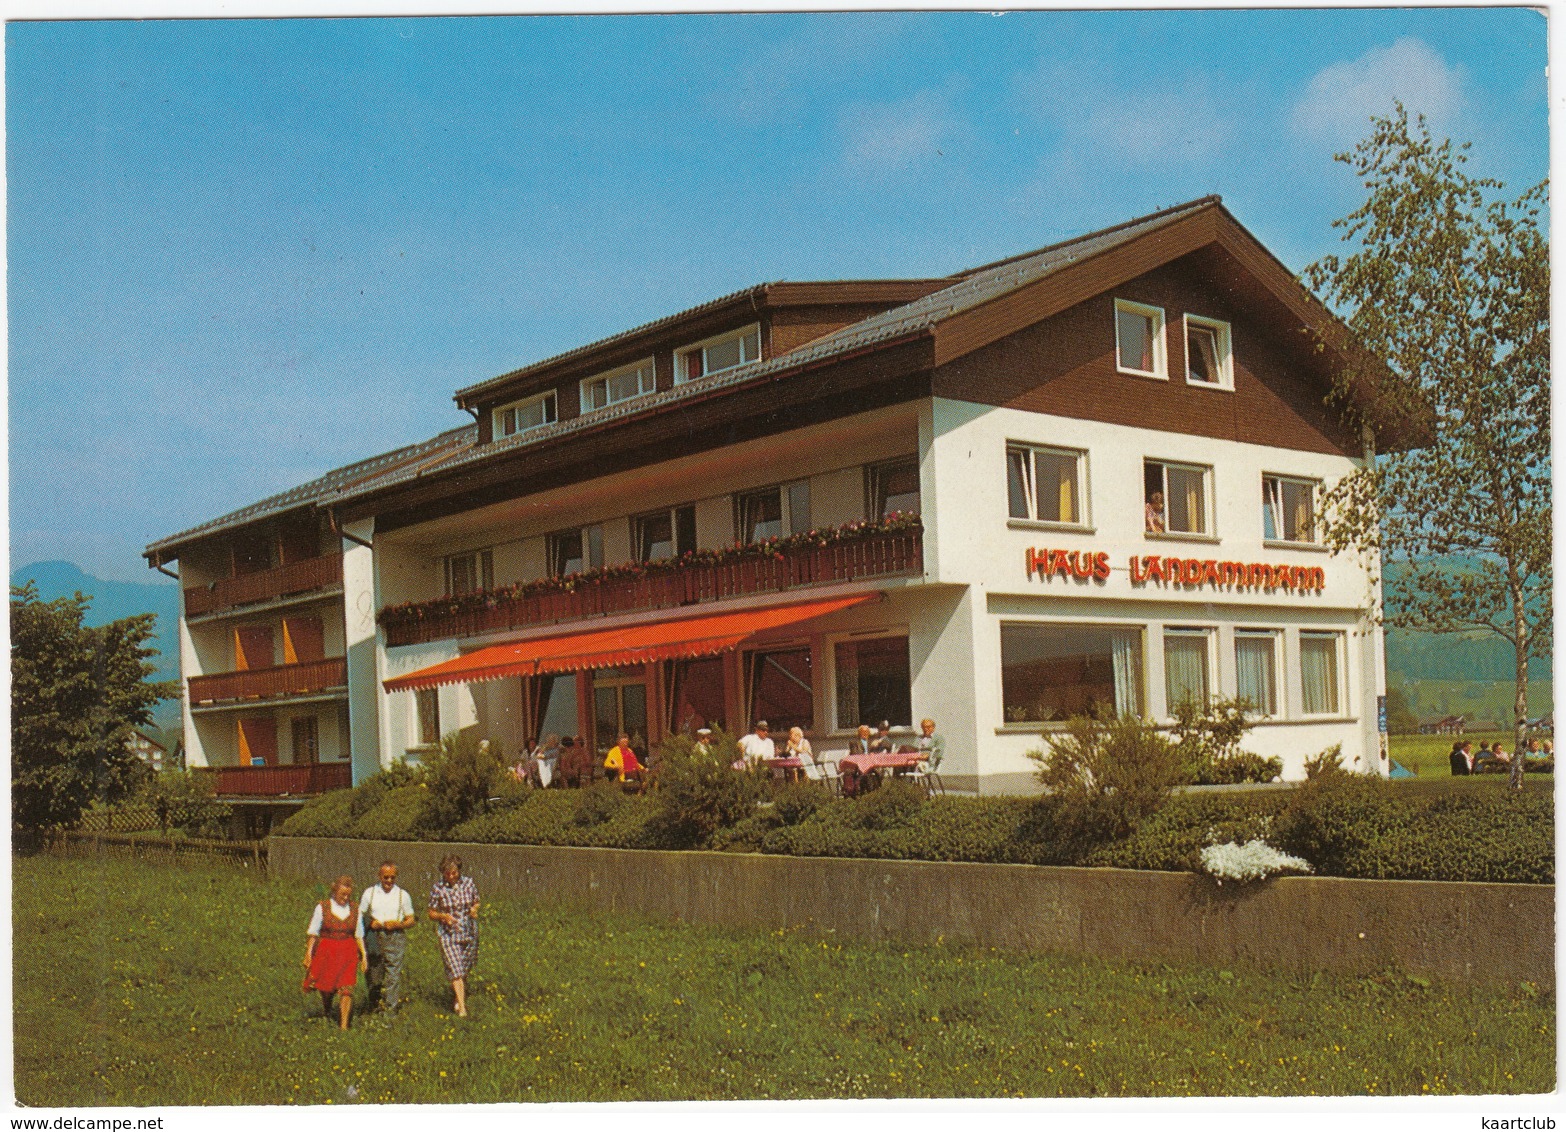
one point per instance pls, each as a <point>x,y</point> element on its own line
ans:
<point>881,760</point>
<point>785,767</point>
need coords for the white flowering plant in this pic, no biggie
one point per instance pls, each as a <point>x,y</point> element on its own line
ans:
<point>1255,860</point>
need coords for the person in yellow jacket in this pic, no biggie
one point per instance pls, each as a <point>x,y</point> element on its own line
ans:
<point>621,761</point>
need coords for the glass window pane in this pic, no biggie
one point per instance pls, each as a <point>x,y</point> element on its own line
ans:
<point>699,696</point>
<point>750,346</point>
<point>1298,511</point>
<point>1056,482</point>
<point>1186,505</point>
<point>873,682</point>
<point>799,507</point>
<point>1202,359</point>
<point>559,692</point>
<point>1017,483</point>
<point>897,489</point>
<point>595,547</point>
<point>1134,332</point>
<point>761,515</point>
<point>566,553</point>
<point>1272,508</point>
<point>1052,672</point>
<point>1185,669</point>
<point>655,536</point>
<point>1319,672</point>
<point>781,690</point>
<point>1255,662</point>
<point>722,355</point>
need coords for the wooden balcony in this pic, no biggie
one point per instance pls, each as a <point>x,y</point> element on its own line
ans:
<point>873,557</point>
<point>265,585</point>
<point>271,683</point>
<point>277,781</point>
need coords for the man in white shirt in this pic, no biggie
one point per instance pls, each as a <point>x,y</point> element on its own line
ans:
<point>388,914</point>
<point>757,746</point>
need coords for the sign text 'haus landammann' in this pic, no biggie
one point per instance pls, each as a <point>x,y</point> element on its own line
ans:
<point>1086,565</point>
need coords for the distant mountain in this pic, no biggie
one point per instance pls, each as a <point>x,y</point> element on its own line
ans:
<point>110,602</point>
<point>1484,657</point>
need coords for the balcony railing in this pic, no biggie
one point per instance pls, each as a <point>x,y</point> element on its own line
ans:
<point>276,781</point>
<point>269,683</point>
<point>872,557</point>
<point>265,585</point>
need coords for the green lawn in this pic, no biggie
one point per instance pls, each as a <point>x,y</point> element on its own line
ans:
<point>145,985</point>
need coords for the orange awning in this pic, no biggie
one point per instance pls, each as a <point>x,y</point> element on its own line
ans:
<point>608,648</point>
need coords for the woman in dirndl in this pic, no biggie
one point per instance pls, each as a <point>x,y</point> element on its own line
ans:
<point>454,905</point>
<point>334,950</point>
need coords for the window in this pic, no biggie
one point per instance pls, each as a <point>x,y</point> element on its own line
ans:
<point>571,552</point>
<point>665,534</point>
<point>715,354</point>
<point>1176,497</point>
<point>1319,667</point>
<point>1289,509</point>
<point>618,385</point>
<point>1208,357</point>
<point>892,488</point>
<point>1052,672</point>
<point>523,415</point>
<point>780,689</point>
<point>306,740</point>
<point>772,512</point>
<point>426,712</point>
<point>1185,668</point>
<point>1139,339</point>
<point>1046,484</point>
<point>468,573</point>
<point>873,682</point>
<point>1256,667</point>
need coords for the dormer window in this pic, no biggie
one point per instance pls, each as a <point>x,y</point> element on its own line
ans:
<point>1139,339</point>
<point>519,416</point>
<point>726,351</point>
<point>617,385</point>
<point>1208,359</point>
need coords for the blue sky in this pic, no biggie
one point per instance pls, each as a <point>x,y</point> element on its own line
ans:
<point>242,253</point>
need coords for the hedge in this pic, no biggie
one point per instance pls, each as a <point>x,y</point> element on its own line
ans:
<point>1344,825</point>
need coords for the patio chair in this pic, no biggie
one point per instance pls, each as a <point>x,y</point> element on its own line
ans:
<point>929,779</point>
<point>826,771</point>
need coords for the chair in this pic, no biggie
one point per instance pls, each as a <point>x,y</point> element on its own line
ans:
<point>929,779</point>
<point>827,772</point>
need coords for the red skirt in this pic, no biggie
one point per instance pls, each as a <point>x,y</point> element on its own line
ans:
<point>334,965</point>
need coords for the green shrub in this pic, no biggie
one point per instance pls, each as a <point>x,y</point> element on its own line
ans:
<point>698,792</point>
<point>368,794</point>
<point>1174,837</point>
<point>330,815</point>
<point>407,813</point>
<point>462,776</point>
<point>1359,826</point>
<point>1107,773</point>
<point>543,818</point>
<point>182,802</point>
<point>1237,767</point>
<point>793,802</point>
<point>599,803</point>
<point>890,806</point>
<point>1329,761</point>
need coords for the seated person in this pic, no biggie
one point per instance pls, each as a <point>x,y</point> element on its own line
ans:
<point>860,743</point>
<point>575,766</point>
<point>883,738</point>
<point>1458,757</point>
<point>1155,513</point>
<point>798,746</point>
<point>621,761</point>
<point>930,745</point>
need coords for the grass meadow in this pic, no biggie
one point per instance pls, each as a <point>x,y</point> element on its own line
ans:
<point>138,984</point>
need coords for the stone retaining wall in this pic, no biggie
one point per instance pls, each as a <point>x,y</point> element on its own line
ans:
<point>1460,931</point>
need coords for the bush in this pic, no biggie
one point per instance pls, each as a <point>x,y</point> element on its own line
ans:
<point>407,813</point>
<point>697,792</point>
<point>330,815</point>
<point>890,806</point>
<point>1241,766</point>
<point>183,801</point>
<point>598,803</point>
<point>368,794</point>
<point>1173,838</point>
<point>1359,826</point>
<point>793,802</point>
<point>462,776</point>
<point>1107,773</point>
<point>544,817</point>
<point>1329,761</point>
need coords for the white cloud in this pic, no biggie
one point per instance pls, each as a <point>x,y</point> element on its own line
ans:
<point>1168,126</point>
<point>1339,101</point>
<point>887,137</point>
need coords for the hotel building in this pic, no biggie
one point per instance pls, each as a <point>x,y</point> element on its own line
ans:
<point>1089,474</point>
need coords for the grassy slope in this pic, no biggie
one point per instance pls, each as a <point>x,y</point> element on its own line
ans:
<point>146,989</point>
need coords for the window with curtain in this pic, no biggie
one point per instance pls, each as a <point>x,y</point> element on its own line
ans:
<point>873,682</point>
<point>1319,679</point>
<point>1186,676</point>
<point>1139,339</point>
<point>1256,668</point>
<point>715,354</point>
<point>1045,484</point>
<point>469,573</point>
<point>620,385</point>
<point>1207,353</point>
<point>665,534</point>
<point>781,690</point>
<point>1180,493</point>
<point>535,412</point>
<point>1052,672</point>
<point>426,709</point>
<point>1289,509</point>
<point>571,552</point>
